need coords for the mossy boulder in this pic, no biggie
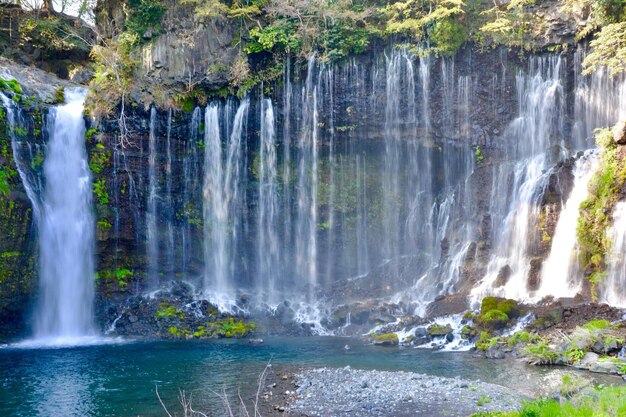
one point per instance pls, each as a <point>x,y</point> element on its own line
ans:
<point>489,303</point>
<point>438,330</point>
<point>496,313</point>
<point>385,339</point>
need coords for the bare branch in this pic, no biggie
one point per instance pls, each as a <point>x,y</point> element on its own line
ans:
<point>156,389</point>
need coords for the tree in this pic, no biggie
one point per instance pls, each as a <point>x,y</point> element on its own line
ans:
<point>609,50</point>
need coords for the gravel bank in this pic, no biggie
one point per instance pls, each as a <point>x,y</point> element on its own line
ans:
<point>351,392</point>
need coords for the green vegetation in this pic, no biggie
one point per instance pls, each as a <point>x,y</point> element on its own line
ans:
<point>496,312</point>
<point>595,325</point>
<point>483,400</point>
<point>90,134</point>
<point>5,189</point>
<point>495,317</point>
<point>225,328</point>
<point>113,74</point>
<point>523,338</point>
<point>609,50</point>
<point>270,31</point>
<point>144,17</point>
<point>478,153</point>
<point>439,330</point>
<point>595,211</point>
<point>574,354</point>
<point>52,35</point>
<point>101,192</point>
<point>486,341</point>
<point>385,339</point>
<point>99,159</point>
<point>604,402</point>
<point>541,353</point>
<point>117,276</point>
<point>167,311</point>
<point>59,95</point>
<point>13,87</point>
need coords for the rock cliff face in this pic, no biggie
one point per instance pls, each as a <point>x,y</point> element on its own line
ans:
<point>55,43</point>
<point>468,104</point>
<point>185,53</point>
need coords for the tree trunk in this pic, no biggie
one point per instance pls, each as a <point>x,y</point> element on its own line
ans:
<point>47,6</point>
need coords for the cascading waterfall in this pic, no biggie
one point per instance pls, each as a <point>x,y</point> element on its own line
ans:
<point>306,223</point>
<point>221,202</point>
<point>364,177</point>
<point>560,275</point>
<point>152,231</point>
<point>191,186</point>
<point>517,185</point>
<point>169,209</point>
<point>66,228</point>
<point>268,251</point>
<point>30,181</point>
<point>613,287</point>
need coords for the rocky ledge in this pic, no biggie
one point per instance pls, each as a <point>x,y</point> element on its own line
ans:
<point>351,392</point>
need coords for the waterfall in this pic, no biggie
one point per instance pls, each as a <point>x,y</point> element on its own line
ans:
<point>613,287</point>
<point>400,80</point>
<point>66,228</point>
<point>190,188</point>
<point>560,275</point>
<point>169,209</point>
<point>268,255</point>
<point>152,232</point>
<point>221,202</point>
<point>517,185</point>
<point>306,226</point>
<point>30,181</point>
<point>424,70</point>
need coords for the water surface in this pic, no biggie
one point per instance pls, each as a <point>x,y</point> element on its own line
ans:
<point>120,379</point>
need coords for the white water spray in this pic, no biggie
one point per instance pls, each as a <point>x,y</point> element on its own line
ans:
<point>66,229</point>
<point>560,276</point>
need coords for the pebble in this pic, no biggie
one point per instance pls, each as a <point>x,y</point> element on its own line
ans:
<point>352,392</point>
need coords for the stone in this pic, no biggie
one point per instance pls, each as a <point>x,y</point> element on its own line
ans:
<point>534,275</point>
<point>588,360</point>
<point>437,330</point>
<point>619,133</point>
<point>494,352</point>
<point>503,276</point>
<point>604,366</point>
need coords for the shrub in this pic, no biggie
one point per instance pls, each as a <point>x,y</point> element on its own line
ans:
<point>574,354</point>
<point>167,311</point>
<point>523,337</point>
<point>541,354</point>
<point>595,325</point>
<point>486,341</point>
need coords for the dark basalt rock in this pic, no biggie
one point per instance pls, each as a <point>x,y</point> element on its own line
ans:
<point>503,276</point>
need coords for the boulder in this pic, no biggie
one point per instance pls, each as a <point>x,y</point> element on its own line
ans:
<point>608,366</point>
<point>503,276</point>
<point>494,352</point>
<point>387,339</point>
<point>437,330</point>
<point>619,133</point>
<point>587,361</point>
